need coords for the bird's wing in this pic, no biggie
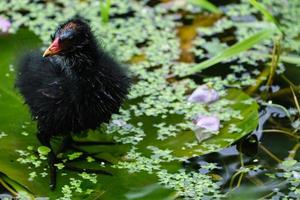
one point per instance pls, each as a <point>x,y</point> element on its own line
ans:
<point>38,78</point>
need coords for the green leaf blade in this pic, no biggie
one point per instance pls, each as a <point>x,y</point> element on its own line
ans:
<point>234,50</point>
<point>206,5</point>
<point>259,6</point>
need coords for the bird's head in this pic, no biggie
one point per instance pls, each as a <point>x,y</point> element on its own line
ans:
<point>70,36</point>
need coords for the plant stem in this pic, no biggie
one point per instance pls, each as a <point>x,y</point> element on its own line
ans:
<point>259,80</point>
<point>284,91</point>
<point>266,196</point>
<point>233,177</point>
<point>281,131</point>
<point>256,181</point>
<point>270,153</point>
<point>2,182</point>
<point>240,180</point>
<point>241,159</point>
<point>295,99</point>
<point>275,60</point>
<point>288,81</point>
<point>293,152</point>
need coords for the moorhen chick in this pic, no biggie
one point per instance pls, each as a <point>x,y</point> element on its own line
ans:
<point>75,86</point>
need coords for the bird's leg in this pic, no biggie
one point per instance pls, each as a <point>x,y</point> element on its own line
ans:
<point>66,143</point>
<point>44,139</point>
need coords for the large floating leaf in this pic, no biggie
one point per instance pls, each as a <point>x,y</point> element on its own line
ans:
<point>246,125</point>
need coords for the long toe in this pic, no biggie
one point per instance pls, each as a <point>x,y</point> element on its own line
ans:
<point>96,171</point>
<point>89,143</point>
<point>86,154</point>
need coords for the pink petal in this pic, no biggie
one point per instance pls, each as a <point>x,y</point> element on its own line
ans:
<point>210,123</point>
<point>203,94</point>
<point>4,25</point>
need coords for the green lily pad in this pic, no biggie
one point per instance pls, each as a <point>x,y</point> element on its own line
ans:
<point>225,137</point>
<point>185,144</point>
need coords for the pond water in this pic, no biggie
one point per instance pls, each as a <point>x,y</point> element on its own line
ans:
<point>170,48</point>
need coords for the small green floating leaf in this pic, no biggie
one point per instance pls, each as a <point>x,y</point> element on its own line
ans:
<point>234,50</point>
<point>74,155</point>
<point>59,165</point>
<point>43,150</point>
<point>90,159</point>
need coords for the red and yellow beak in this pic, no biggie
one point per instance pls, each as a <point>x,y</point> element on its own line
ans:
<point>53,49</point>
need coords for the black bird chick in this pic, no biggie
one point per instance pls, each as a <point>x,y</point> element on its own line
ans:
<point>74,87</point>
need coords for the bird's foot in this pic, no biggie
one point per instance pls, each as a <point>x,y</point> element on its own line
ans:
<point>53,160</point>
<point>86,155</point>
<point>69,143</point>
<point>96,171</point>
<point>44,139</point>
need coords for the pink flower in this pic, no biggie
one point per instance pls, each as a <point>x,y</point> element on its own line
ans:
<point>4,25</point>
<point>209,123</point>
<point>203,94</point>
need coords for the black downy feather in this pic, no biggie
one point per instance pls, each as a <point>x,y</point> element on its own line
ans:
<point>76,90</point>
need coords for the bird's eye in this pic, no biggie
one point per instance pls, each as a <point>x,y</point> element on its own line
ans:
<point>70,37</point>
<point>67,36</point>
